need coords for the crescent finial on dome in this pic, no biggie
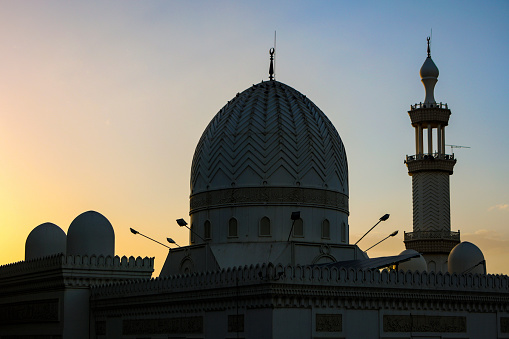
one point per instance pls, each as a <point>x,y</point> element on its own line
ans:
<point>271,67</point>
<point>429,49</point>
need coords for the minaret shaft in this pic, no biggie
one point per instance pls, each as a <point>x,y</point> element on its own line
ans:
<point>431,202</point>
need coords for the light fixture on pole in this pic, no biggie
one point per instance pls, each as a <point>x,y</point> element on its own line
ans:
<point>171,241</point>
<point>382,218</point>
<point>182,223</point>
<point>133,231</point>
<point>387,237</point>
<point>295,216</point>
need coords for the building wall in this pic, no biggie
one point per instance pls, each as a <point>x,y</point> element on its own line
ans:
<point>306,302</point>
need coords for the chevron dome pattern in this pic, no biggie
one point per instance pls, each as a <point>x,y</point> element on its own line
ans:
<point>270,135</point>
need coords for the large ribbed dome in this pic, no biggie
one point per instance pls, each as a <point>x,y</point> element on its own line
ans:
<point>270,135</point>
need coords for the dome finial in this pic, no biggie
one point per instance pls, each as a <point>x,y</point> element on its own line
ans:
<point>271,67</point>
<point>429,49</point>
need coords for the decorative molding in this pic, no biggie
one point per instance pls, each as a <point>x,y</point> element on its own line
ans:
<point>304,286</point>
<point>35,311</point>
<point>504,324</point>
<point>100,327</point>
<point>430,165</point>
<point>424,323</point>
<point>162,326</point>
<point>428,246</point>
<point>236,323</point>
<point>329,322</point>
<point>308,197</point>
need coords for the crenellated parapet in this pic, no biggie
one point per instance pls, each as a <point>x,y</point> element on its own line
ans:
<point>77,261</point>
<point>289,277</point>
<point>61,271</point>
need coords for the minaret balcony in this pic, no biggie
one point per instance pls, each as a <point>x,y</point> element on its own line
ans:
<point>430,162</point>
<point>432,241</point>
<point>429,113</point>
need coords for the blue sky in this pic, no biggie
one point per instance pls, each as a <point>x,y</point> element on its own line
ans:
<point>102,104</point>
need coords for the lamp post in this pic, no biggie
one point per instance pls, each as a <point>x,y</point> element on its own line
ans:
<point>171,241</point>
<point>182,223</point>
<point>295,216</point>
<point>382,218</point>
<point>133,231</point>
<point>387,237</point>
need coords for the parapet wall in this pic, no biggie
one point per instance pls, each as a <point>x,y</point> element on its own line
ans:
<point>60,261</point>
<point>308,275</point>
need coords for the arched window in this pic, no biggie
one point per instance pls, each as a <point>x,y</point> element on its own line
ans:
<point>298,228</point>
<point>325,229</point>
<point>232,228</point>
<point>265,227</point>
<point>207,231</point>
<point>343,232</point>
<point>192,233</point>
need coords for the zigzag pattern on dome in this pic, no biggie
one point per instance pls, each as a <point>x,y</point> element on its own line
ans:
<point>270,135</point>
<point>431,201</point>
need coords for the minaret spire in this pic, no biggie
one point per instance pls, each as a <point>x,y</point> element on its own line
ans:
<point>271,67</point>
<point>429,49</point>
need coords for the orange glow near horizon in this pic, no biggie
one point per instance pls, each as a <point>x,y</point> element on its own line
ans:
<point>102,105</point>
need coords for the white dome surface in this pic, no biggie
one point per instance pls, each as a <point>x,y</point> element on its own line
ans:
<point>90,233</point>
<point>429,69</point>
<point>414,264</point>
<point>270,135</point>
<point>45,240</point>
<point>466,258</point>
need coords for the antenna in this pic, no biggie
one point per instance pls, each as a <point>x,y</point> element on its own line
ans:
<point>457,146</point>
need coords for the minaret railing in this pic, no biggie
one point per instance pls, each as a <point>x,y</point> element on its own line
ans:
<point>429,105</point>
<point>430,156</point>
<point>423,235</point>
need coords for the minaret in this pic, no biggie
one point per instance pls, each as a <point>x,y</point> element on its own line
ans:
<point>430,169</point>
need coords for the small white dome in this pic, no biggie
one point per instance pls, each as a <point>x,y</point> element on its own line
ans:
<point>90,233</point>
<point>45,240</point>
<point>414,264</point>
<point>466,258</point>
<point>429,69</point>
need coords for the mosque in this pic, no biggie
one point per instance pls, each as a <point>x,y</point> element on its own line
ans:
<point>269,253</point>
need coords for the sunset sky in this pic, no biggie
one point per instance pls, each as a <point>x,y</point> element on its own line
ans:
<point>103,102</point>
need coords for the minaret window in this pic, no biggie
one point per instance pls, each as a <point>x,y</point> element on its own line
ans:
<point>265,227</point>
<point>326,229</point>
<point>207,231</point>
<point>232,228</point>
<point>343,232</point>
<point>192,234</point>
<point>298,228</point>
